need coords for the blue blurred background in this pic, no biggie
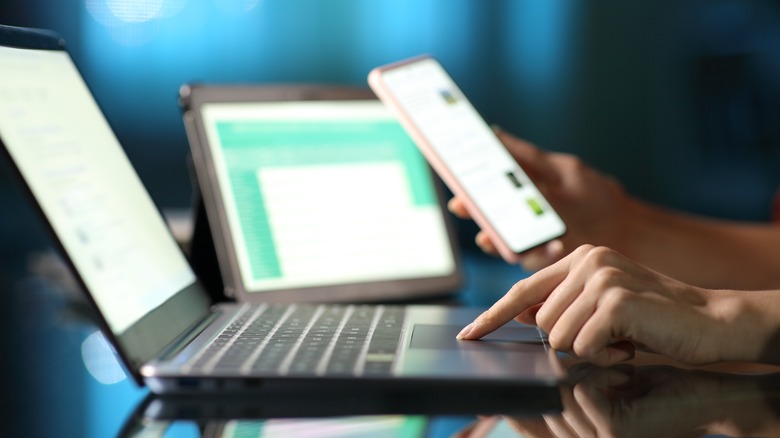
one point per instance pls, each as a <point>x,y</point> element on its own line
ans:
<point>679,99</point>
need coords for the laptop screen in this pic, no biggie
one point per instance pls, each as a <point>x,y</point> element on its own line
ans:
<point>86,187</point>
<point>323,192</point>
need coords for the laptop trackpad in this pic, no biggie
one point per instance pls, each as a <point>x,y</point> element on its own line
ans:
<point>442,337</point>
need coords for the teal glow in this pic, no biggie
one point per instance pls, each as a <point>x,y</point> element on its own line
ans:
<point>135,69</point>
<point>539,46</point>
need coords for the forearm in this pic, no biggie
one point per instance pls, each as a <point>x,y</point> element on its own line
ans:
<point>703,252</point>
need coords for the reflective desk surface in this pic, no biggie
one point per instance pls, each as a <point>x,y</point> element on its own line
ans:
<point>60,379</point>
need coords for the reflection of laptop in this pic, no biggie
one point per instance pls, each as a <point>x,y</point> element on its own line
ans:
<point>316,193</point>
<point>305,411</point>
<point>149,302</point>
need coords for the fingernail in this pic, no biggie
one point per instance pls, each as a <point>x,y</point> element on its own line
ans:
<point>465,332</point>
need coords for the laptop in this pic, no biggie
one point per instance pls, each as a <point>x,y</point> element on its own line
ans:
<point>316,193</point>
<point>151,306</point>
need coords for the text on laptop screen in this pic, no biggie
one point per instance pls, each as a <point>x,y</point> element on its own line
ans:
<point>83,181</point>
<point>324,193</point>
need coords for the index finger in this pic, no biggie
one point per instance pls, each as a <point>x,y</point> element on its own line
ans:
<point>523,294</point>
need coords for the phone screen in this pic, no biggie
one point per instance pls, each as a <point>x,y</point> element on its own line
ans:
<point>468,156</point>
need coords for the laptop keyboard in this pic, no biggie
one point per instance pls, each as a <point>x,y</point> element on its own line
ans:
<point>305,340</point>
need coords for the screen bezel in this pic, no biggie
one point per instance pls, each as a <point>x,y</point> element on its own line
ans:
<point>192,99</point>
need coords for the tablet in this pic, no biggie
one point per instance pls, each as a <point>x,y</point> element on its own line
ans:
<point>316,193</point>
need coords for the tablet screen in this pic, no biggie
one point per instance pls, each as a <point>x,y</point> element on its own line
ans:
<point>321,193</point>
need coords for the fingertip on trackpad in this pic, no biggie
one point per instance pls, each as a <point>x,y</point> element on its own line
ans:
<point>441,337</point>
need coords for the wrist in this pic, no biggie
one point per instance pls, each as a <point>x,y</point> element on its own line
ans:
<point>747,324</point>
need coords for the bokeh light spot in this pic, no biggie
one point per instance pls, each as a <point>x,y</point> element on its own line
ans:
<point>99,10</point>
<point>133,23</point>
<point>135,11</point>
<point>172,7</point>
<point>100,360</point>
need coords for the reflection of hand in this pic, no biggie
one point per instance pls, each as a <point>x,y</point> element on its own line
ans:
<point>648,403</point>
<point>662,401</point>
<point>592,205</point>
<point>656,401</point>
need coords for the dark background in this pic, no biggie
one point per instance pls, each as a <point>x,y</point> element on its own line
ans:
<point>679,99</point>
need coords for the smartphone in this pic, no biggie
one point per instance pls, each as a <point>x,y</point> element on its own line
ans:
<point>467,155</point>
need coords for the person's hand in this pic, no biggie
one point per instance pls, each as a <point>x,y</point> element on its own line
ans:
<point>592,205</point>
<point>600,306</point>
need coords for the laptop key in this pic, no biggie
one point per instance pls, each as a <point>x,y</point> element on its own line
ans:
<point>307,340</point>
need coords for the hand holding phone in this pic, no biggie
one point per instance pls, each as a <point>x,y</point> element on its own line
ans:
<point>467,155</point>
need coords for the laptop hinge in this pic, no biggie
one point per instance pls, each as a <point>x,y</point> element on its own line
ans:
<point>185,338</point>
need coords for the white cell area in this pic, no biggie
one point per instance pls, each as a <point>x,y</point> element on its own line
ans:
<point>347,222</point>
